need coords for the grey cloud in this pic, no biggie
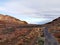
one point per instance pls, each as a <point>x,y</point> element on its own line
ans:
<point>49,9</point>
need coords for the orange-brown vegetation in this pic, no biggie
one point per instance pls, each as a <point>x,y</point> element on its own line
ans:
<point>54,27</point>
<point>11,20</point>
<point>15,32</point>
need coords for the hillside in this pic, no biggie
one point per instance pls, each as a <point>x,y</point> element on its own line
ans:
<point>55,22</point>
<point>11,20</point>
<point>54,27</point>
<point>16,32</point>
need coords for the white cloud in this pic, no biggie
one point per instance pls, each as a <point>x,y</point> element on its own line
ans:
<point>16,7</point>
<point>33,8</point>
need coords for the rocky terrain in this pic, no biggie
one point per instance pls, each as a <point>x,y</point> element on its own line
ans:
<point>17,32</point>
<point>54,28</point>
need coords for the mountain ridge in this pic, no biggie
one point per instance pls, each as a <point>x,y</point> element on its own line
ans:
<point>11,20</point>
<point>54,27</point>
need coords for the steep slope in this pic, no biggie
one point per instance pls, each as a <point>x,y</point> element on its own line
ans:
<point>55,22</point>
<point>11,20</point>
<point>54,27</point>
<point>17,32</point>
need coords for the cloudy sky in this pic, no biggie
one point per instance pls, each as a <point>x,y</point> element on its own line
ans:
<point>32,11</point>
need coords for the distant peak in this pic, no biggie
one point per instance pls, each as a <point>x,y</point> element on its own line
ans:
<point>56,19</point>
<point>11,20</point>
<point>54,22</point>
